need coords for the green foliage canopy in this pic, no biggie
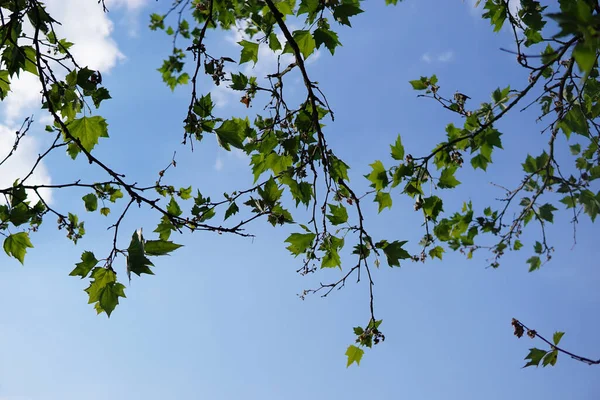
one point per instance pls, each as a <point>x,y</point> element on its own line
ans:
<point>289,151</point>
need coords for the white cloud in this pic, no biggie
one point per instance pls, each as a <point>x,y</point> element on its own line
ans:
<point>84,23</point>
<point>443,57</point>
<point>218,163</point>
<point>22,161</point>
<point>25,93</point>
<point>131,5</point>
<point>235,155</point>
<point>446,56</point>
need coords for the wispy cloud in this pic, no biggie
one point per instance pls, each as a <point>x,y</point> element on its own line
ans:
<point>446,56</point>
<point>443,57</point>
<point>218,163</point>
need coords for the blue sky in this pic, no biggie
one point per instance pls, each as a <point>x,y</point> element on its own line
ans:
<point>221,319</point>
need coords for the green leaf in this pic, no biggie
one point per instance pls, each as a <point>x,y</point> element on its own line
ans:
<point>345,10</point>
<point>232,133</point>
<point>16,245</point>
<point>238,81</point>
<point>203,107</point>
<point>436,252</point>
<point>433,206</point>
<point>546,212</point>
<point>173,207</point>
<point>185,193</point>
<point>159,247</point>
<point>104,290</point>
<point>339,214</point>
<point>231,210</point>
<point>305,41</point>
<point>393,251</point>
<point>354,355</point>
<point>447,179</point>
<point>590,202</point>
<point>4,84</point>
<point>384,199</point>
<point>397,149</point>
<point>534,263</point>
<point>249,51</point>
<point>91,202</point>
<point>378,175</point>
<point>479,161</point>
<point>327,37</point>
<point>274,43</point>
<point>550,358</point>
<point>419,84</point>
<point>87,130</point>
<point>300,242</point>
<point>331,246</point>
<point>534,357</point>
<point>575,149</point>
<point>556,337</point>
<point>105,211</point>
<point>137,262</point>
<point>585,56</point>
<point>83,268</point>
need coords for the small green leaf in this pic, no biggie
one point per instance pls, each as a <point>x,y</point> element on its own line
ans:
<point>358,330</point>
<point>83,268</point>
<point>328,37</point>
<point>305,41</point>
<point>104,290</point>
<point>137,262</point>
<point>231,132</point>
<point>159,247</point>
<point>447,179</point>
<point>185,193</point>
<point>378,175</point>
<point>339,214</point>
<point>418,84</point>
<point>534,357</point>
<point>480,161</point>
<point>345,10</point>
<point>550,358</point>
<point>585,56</point>
<point>534,263</point>
<point>546,212</point>
<point>91,202</point>
<point>354,355</point>
<point>274,43</point>
<point>384,199</point>
<point>436,252</point>
<point>16,245</point>
<point>300,242</point>
<point>173,207</point>
<point>87,130</point>
<point>231,210</point>
<point>397,149</point>
<point>556,337</point>
<point>393,251</point>
<point>249,51</point>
